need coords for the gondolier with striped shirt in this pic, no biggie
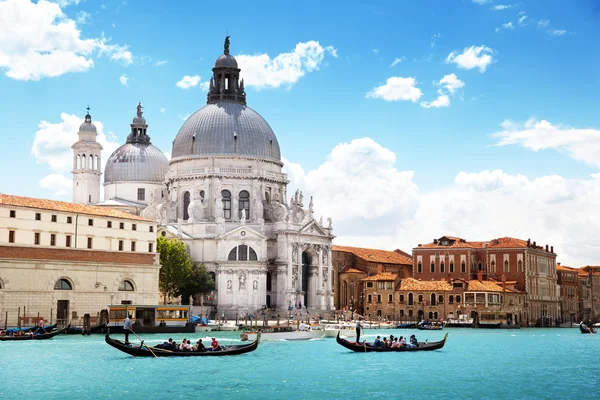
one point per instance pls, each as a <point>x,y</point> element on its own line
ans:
<point>359,326</point>
<point>127,324</point>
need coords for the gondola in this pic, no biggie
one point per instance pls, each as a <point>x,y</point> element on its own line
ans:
<point>367,348</point>
<point>583,328</point>
<point>141,350</point>
<point>41,336</point>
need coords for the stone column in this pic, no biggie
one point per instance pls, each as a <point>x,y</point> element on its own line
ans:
<point>319,286</point>
<point>299,281</point>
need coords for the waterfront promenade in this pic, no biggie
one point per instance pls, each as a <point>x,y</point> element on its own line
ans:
<point>474,364</point>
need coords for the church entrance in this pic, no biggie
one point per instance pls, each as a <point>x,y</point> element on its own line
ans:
<point>305,264</point>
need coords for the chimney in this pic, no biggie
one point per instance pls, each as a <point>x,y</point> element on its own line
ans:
<point>434,241</point>
<point>528,242</point>
<point>480,275</point>
<point>558,263</point>
<point>551,249</point>
<point>546,247</point>
<point>534,244</point>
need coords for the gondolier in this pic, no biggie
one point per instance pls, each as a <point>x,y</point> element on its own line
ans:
<point>127,324</point>
<point>359,326</point>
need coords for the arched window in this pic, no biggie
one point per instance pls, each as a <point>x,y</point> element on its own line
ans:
<point>186,203</point>
<point>410,299</point>
<point>202,196</point>
<point>244,203</point>
<point>480,267</point>
<point>63,284</point>
<point>506,267</point>
<point>78,162</point>
<point>83,162</point>
<point>420,299</point>
<point>442,267</point>
<point>96,166</point>
<point>91,162</point>
<point>419,267</point>
<point>432,298</point>
<point>345,292</point>
<point>463,267</point>
<point>451,266</point>
<point>226,195</point>
<point>126,286</point>
<point>213,276</point>
<point>242,253</point>
<point>269,282</point>
<point>520,266</point>
<point>493,266</point>
<point>432,268</point>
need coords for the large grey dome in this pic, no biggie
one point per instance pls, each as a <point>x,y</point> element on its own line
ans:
<point>226,128</point>
<point>136,162</point>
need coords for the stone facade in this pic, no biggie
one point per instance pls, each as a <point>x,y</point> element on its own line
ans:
<point>64,260</point>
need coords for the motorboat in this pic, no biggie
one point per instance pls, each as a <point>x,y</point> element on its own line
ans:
<point>303,332</point>
<point>331,330</point>
<point>227,326</point>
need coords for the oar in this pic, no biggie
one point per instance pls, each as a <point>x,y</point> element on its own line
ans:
<point>140,339</point>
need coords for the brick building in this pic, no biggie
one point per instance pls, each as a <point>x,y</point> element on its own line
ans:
<point>589,292</point>
<point>568,283</point>
<point>532,267</point>
<point>352,264</point>
<point>63,260</point>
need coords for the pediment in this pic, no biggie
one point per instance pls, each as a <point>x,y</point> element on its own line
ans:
<point>242,233</point>
<point>313,228</point>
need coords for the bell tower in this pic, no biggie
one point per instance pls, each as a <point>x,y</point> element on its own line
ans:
<point>86,164</point>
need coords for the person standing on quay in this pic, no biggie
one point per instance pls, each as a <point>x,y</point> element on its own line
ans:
<point>127,324</point>
<point>359,326</point>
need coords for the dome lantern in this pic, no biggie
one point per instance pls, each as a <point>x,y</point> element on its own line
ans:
<point>225,84</point>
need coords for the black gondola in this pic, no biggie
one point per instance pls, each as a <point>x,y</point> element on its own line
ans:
<point>366,347</point>
<point>41,336</point>
<point>141,350</point>
<point>583,328</point>
<point>429,327</point>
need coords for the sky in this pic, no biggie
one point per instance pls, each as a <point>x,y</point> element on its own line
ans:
<point>406,120</point>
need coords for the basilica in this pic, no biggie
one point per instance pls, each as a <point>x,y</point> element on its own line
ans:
<point>224,194</point>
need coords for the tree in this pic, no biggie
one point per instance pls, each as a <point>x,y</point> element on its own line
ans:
<point>199,281</point>
<point>176,266</point>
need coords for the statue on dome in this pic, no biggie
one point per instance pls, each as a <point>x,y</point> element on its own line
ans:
<point>139,109</point>
<point>226,48</point>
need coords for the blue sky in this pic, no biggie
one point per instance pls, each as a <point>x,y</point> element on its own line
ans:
<point>512,61</point>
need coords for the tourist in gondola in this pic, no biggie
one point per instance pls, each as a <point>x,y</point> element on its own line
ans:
<point>378,342</point>
<point>214,345</point>
<point>200,346</point>
<point>40,327</point>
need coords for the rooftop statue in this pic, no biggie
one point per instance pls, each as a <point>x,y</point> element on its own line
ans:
<point>226,50</point>
<point>139,109</point>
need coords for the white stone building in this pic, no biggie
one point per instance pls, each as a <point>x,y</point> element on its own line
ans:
<point>225,196</point>
<point>63,260</point>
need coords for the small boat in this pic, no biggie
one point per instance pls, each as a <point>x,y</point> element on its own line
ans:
<point>283,333</point>
<point>583,328</point>
<point>406,325</point>
<point>228,327</point>
<point>367,347</point>
<point>142,350</point>
<point>429,327</point>
<point>331,330</point>
<point>34,336</point>
<point>203,328</point>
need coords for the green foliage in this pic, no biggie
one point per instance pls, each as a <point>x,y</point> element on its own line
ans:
<point>176,266</point>
<point>199,281</point>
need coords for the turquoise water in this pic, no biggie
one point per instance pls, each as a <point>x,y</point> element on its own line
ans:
<point>474,364</point>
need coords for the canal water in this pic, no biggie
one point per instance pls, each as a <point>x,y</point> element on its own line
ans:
<point>474,364</point>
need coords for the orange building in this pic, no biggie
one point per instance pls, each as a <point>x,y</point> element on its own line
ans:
<point>568,283</point>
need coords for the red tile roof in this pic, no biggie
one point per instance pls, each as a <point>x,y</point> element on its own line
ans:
<point>53,205</point>
<point>350,270</point>
<point>382,276</point>
<point>412,284</point>
<point>486,286</point>
<point>373,255</point>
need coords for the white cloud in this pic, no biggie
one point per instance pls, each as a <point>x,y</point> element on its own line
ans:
<point>160,63</point>
<point>582,144</point>
<point>188,81</point>
<point>83,17</point>
<point>204,86</point>
<point>544,23</point>
<point>434,39</point>
<point>472,57</point>
<point>397,61</point>
<point>507,26</point>
<point>389,211</point>
<point>397,88</point>
<point>451,83</point>
<point>65,3</point>
<point>162,110</point>
<point>57,183</point>
<point>184,117</point>
<point>558,32</point>
<point>285,69</point>
<point>52,146</point>
<point>522,20</point>
<point>375,51</point>
<point>123,79</point>
<point>481,2</point>
<point>38,40</point>
<point>501,7</point>
<point>442,101</point>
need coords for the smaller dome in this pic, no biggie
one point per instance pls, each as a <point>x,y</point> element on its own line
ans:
<point>139,121</point>
<point>88,127</point>
<point>226,61</point>
<point>136,162</point>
